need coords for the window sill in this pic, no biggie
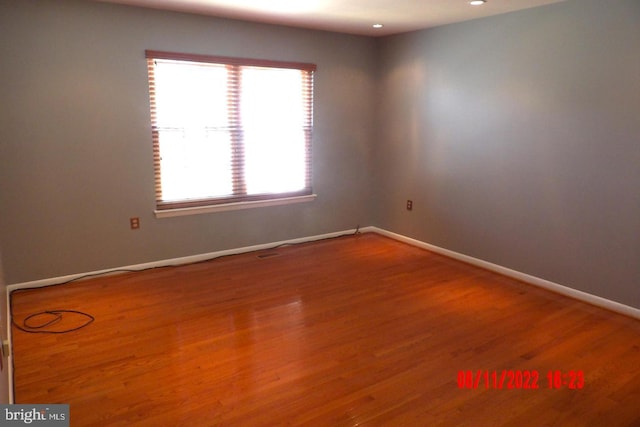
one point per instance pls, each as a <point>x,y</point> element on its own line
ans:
<point>233,206</point>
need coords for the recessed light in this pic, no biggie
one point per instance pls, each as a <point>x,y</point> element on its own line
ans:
<point>377,25</point>
<point>477,2</point>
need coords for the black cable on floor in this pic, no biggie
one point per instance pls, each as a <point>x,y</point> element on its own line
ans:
<point>54,316</point>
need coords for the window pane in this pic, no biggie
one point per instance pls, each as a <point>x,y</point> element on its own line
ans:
<point>274,160</point>
<point>195,164</point>
<point>195,148</point>
<point>190,94</point>
<point>273,118</point>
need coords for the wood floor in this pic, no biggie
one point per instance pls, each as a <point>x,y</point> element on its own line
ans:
<point>358,330</point>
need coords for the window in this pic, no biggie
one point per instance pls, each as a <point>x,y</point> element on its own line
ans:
<point>228,130</point>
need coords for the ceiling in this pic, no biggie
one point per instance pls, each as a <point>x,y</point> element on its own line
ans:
<point>346,16</point>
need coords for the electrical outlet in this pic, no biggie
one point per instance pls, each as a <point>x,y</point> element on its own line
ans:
<point>409,205</point>
<point>134,222</point>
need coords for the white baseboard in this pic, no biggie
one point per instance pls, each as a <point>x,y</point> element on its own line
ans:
<point>536,281</point>
<point>532,280</point>
<point>173,261</point>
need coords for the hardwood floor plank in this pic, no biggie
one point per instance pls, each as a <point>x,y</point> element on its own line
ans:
<point>359,330</point>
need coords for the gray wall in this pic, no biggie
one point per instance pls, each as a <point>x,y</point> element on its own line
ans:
<point>518,139</point>
<point>75,144</point>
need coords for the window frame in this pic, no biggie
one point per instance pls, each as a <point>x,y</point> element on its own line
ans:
<point>236,200</point>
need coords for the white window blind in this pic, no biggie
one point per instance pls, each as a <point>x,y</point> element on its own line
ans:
<point>227,130</point>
